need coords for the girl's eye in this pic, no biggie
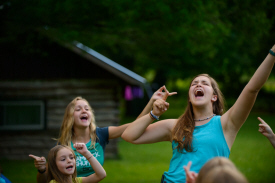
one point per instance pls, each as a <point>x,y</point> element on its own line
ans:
<point>62,159</point>
<point>72,157</point>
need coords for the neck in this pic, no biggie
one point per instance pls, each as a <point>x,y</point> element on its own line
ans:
<point>68,178</point>
<point>81,135</point>
<point>202,113</point>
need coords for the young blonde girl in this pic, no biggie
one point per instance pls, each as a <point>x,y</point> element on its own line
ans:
<point>204,131</point>
<point>62,165</point>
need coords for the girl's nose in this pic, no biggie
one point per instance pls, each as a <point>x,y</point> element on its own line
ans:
<point>198,84</point>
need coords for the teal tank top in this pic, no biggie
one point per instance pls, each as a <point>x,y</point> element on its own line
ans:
<point>208,142</point>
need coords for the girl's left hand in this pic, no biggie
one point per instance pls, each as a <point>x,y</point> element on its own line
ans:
<point>159,94</point>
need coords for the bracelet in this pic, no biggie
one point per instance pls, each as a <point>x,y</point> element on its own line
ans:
<point>42,171</point>
<point>151,116</point>
<point>154,116</point>
<point>271,52</point>
<point>89,157</point>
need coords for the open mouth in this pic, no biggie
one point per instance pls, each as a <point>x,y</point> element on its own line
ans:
<point>199,93</point>
<point>69,167</point>
<point>84,118</point>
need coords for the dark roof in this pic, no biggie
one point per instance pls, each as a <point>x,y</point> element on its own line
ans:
<point>113,67</point>
<point>110,65</point>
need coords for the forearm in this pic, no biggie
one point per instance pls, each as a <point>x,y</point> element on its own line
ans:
<point>262,73</point>
<point>98,169</point>
<point>147,108</point>
<point>272,140</point>
<point>41,178</point>
<point>137,128</point>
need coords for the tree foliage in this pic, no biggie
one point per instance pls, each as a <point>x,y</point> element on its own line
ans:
<point>164,39</point>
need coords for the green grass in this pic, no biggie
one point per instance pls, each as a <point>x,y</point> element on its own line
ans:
<point>252,153</point>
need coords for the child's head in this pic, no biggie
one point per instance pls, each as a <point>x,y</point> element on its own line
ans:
<point>218,105</point>
<point>224,174</point>
<point>67,127</point>
<point>69,117</point>
<point>61,164</point>
<point>216,169</point>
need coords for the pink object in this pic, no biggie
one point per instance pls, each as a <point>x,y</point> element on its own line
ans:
<point>128,93</point>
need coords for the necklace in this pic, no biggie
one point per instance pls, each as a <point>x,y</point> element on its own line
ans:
<point>205,118</point>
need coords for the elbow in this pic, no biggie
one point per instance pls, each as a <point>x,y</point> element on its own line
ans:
<point>103,175</point>
<point>128,139</point>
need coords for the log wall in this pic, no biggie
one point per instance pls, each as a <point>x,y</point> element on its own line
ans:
<point>103,96</point>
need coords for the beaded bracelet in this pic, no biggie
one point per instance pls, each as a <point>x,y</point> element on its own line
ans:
<point>271,52</point>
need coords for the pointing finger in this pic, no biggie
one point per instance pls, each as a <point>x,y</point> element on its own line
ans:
<point>261,120</point>
<point>34,157</point>
<point>166,93</point>
<point>173,93</point>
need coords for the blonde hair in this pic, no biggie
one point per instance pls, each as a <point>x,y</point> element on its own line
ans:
<point>185,125</point>
<point>67,131</point>
<point>220,170</point>
<point>53,171</point>
<point>224,175</point>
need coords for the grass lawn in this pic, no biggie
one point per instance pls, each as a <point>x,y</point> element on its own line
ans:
<point>252,153</point>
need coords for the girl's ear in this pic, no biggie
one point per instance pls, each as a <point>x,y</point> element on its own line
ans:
<point>214,98</point>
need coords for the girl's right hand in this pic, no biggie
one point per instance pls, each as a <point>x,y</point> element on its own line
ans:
<point>39,162</point>
<point>160,105</point>
<point>81,148</point>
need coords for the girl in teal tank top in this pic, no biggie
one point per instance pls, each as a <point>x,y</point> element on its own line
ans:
<point>205,129</point>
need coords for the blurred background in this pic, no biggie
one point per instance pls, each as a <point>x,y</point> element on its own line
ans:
<point>166,43</point>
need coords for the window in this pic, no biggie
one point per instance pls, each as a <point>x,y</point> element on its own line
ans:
<point>21,115</point>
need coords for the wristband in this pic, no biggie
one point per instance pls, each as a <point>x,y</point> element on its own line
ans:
<point>271,52</point>
<point>42,171</point>
<point>154,116</point>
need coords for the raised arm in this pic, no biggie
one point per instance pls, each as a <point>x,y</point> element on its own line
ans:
<point>159,94</point>
<point>116,131</point>
<point>99,170</point>
<point>141,131</point>
<point>234,118</point>
<point>40,165</point>
<point>265,129</point>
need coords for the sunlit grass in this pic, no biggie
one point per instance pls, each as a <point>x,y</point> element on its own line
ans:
<point>252,153</point>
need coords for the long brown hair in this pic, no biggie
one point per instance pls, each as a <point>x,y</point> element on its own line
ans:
<point>66,130</point>
<point>185,125</point>
<point>53,171</point>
